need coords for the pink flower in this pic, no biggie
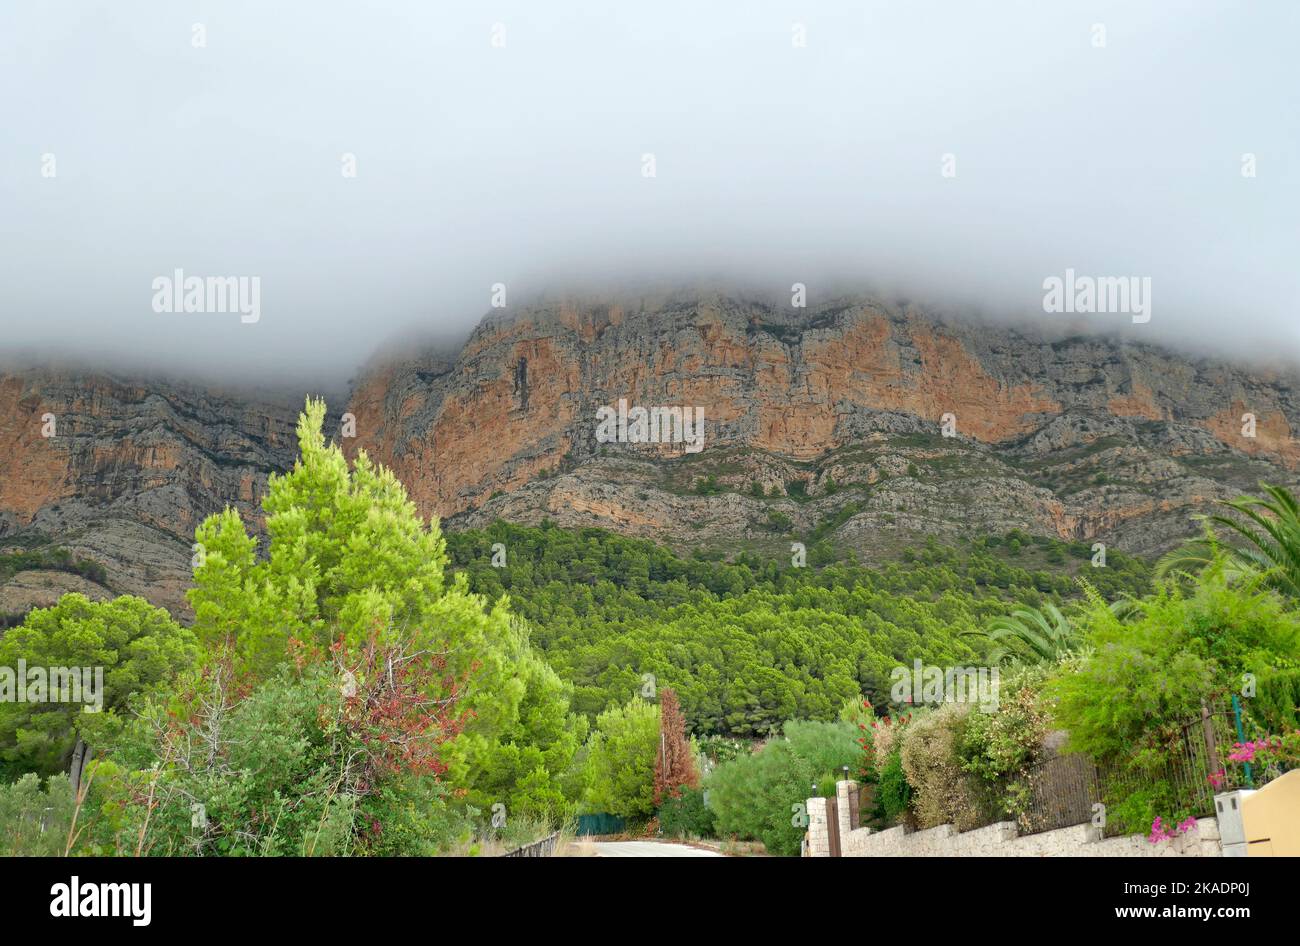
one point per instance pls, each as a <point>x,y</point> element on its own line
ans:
<point>1158,832</point>
<point>1243,752</point>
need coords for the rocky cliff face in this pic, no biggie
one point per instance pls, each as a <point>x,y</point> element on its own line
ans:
<point>835,415</point>
<point>823,424</point>
<point>122,471</point>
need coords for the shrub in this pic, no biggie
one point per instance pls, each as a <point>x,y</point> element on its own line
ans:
<point>944,791</point>
<point>34,822</point>
<point>893,794</point>
<point>708,486</point>
<point>621,761</point>
<point>761,796</point>
<point>1147,675</point>
<point>827,747</point>
<point>881,739</point>
<point>299,766</point>
<point>719,749</point>
<point>1001,749</point>
<point>778,521</point>
<point>856,712</point>
<point>882,763</point>
<point>1276,707</point>
<point>687,816</point>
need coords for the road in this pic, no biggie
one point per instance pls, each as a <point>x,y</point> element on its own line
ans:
<point>649,849</point>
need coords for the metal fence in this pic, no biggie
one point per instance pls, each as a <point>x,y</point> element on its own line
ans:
<point>1064,789</point>
<point>543,848</point>
<point>1194,751</point>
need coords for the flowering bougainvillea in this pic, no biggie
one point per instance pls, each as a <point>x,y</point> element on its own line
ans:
<point>1162,832</point>
<point>1281,752</point>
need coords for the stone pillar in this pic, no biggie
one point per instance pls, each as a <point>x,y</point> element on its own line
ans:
<point>846,795</point>
<point>819,829</point>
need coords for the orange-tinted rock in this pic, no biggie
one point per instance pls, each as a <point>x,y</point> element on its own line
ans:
<point>1272,433</point>
<point>35,467</point>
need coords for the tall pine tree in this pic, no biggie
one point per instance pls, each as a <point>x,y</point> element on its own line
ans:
<point>674,765</point>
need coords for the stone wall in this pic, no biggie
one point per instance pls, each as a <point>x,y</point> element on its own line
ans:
<point>1004,840</point>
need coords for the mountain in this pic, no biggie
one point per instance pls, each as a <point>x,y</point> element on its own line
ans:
<point>129,469</point>
<point>823,425</point>
<point>833,409</point>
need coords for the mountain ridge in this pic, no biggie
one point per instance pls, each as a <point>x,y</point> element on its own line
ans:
<point>822,425</point>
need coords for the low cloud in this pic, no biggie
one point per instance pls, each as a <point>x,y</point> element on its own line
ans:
<point>379,169</point>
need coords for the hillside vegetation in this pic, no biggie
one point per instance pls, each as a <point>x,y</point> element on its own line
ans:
<point>751,643</point>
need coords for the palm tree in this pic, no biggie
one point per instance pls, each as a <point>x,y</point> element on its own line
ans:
<point>1030,635</point>
<point>1270,529</point>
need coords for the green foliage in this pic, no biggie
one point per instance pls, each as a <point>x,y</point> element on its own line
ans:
<point>1151,673</point>
<point>348,554</point>
<point>349,557</point>
<point>687,816</point>
<point>719,749</point>
<point>621,761</point>
<point>521,761</point>
<point>413,816</point>
<point>749,643</point>
<point>1276,706</point>
<point>1030,635</point>
<point>778,521</point>
<point>893,793</point>
<point>1136,806</point>
<point>761,796</point>
<point>1001,749</point>
<point>276,771</point>
<point>1146,678</point>
<point>821,553</point>
<point>826,747</point>
<point>833,522</point>
<point>34,822</point>
<point>856,712</point>
<point>881,762</point>
<point>51,559</point>
<point>709,486</point>
<point>1267,540</point>
<point>138,646</point>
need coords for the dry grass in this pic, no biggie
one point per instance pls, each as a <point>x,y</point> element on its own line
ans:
<point>576,847</point>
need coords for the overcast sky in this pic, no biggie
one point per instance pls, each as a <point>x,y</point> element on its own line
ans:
<point>523,163</point>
